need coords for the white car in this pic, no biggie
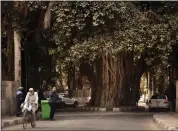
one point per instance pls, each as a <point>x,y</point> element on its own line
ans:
<point>67,101</point>
<point>158,101</point>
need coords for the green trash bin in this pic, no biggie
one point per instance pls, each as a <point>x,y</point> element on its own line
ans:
<point>45,109</point>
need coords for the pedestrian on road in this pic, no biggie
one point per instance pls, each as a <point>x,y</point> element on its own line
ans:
<point>19,100</point>
<point>52,102</point>
<point>32,98</point>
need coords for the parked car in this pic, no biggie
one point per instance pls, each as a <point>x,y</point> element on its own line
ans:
<point>67,101</point>
<point>159,101</point>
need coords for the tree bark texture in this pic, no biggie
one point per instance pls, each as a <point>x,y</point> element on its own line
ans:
<point>17,55</point>
<point>116,80</point>
<point>47,17</point>
<point>71,80</point>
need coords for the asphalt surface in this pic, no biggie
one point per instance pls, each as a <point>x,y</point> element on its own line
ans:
<point>95,121</point>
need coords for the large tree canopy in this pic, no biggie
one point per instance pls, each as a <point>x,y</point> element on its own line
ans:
<point>112,43</point>
<point>137,36</point>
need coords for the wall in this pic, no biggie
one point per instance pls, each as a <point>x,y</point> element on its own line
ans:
<point>8,99</point>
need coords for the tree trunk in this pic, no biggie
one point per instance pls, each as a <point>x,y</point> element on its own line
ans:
<point>10,45</point>
<point>109,78</point>
<point>71,80</point>
<point>79,81</point>
<point>153,84</point>
<point>97,87</point>
<point>17,54</point>
<point>149,85</point>
<point>116,80</point>
<point>47,17</point>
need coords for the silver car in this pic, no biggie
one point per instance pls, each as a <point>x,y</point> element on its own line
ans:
<point>159,101</point>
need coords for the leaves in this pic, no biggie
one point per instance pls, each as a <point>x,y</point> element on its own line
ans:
<point>90,29</point>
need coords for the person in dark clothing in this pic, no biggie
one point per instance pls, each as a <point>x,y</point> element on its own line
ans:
<point>52,102</point>
<point>19,100</point>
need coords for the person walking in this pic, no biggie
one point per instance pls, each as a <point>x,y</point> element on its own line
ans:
<point>52,102</point>
<point>19,100</point>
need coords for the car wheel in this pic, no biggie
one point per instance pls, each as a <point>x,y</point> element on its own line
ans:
<point>75,104</point>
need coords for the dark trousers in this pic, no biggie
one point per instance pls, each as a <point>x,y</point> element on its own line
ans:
<point>53,110</point>
<point>18,109</point>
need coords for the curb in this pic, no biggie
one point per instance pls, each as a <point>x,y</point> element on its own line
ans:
<point>121,109</point>
<point>15,122</point>
<point>98,109</point>
<point>164,126</point>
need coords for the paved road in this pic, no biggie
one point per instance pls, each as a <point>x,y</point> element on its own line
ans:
<point>96,121</point>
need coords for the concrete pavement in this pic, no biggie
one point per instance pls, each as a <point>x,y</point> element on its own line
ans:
<point>96,121</point>
<point>166,121</point>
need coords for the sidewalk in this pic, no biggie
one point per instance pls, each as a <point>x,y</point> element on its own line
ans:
<point>10,121</point>
<point>176,115</point>
<point>167,121</point>
<point>13,120</point>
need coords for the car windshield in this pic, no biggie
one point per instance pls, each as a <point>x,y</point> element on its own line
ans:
<point>158,97</point>
<point>63,95</point>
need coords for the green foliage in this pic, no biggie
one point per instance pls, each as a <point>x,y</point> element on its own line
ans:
<point>87,30</point>
<point>85,21</point>
<point>94,28</point>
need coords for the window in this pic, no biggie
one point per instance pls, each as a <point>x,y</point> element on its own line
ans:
<point>161,97</point>
<point>63,95</point>
<point>158,97</point>
<point>154,97</point>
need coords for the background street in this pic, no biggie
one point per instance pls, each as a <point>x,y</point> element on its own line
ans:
<point>96,121</point>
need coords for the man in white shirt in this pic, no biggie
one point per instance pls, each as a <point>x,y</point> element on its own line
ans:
<point>32,98</point>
